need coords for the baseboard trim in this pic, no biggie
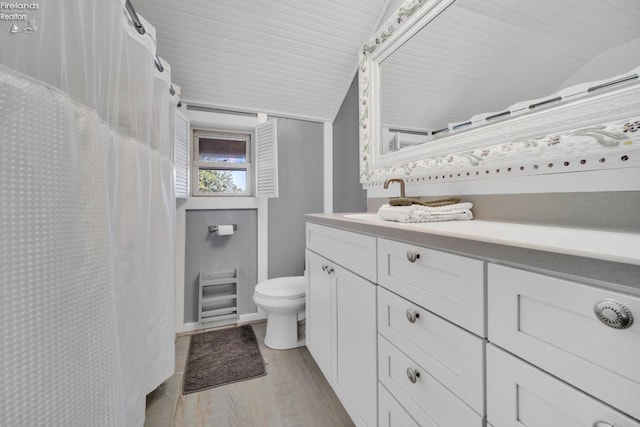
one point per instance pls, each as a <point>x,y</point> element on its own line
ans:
<point>252,317</point>
<point>189,328</point>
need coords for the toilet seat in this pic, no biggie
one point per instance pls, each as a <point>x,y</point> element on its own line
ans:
<point>282,288</point>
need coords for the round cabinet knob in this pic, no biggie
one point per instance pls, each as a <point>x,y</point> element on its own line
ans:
<point>329,269</point>
<point>324,267</point>
<point>412,315</point>
<point>413,375</point>
<point>613,314</point>
<point>603,423</point>
<point>412,256</point>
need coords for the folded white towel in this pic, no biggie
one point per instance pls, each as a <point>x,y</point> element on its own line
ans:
<point>419,213</point>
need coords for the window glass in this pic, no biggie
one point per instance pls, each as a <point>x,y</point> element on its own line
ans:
<point>222,150</point>
<point>212,181</point>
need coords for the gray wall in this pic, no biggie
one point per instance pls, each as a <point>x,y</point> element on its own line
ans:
<point>348,195</point>
<point>300,175</point>
<point>211,252</point>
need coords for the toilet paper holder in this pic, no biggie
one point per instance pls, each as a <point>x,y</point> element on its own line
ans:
<point>214,228</point>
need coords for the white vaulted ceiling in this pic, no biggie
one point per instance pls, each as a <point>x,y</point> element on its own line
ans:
<point>294,58</point>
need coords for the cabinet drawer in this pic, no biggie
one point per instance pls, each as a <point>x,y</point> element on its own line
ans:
<point>391,413</point>
<point>355,252</point>
<point>520,394</point>
<point>551,323</point>
<point>426,399</point>
<point>449,285</point>
<point>452,355</point>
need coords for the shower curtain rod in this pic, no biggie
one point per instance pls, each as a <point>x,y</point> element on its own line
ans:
<point>134,16</point>
<point>138,24</point>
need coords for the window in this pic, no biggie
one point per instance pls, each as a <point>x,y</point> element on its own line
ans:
<point>221,163</point>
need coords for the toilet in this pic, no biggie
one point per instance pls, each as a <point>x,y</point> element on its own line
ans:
<point>282,298</point>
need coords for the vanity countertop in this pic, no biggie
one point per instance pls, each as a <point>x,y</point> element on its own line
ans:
<point>501,237</point>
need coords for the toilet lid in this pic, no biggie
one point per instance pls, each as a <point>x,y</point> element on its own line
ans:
<point>282,288</point>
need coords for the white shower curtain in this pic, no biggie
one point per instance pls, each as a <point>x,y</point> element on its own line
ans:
<point>87,217</point>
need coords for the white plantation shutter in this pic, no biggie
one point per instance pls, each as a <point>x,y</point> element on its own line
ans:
<point>267,159</point>
<point>181,155</point>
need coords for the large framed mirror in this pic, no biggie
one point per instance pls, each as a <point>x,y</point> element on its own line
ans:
<point>455,90</point>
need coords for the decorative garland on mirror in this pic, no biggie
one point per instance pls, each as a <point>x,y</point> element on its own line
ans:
<point>405,11</point>
<point>614,144</point>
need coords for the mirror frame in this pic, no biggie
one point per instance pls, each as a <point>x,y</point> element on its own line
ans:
<point>579,134</point>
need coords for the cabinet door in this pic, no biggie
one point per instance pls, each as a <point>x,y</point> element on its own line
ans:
<point>356,362</point>
<point>320,313</point>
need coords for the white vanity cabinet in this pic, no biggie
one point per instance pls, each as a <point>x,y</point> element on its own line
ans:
<point>341,316</point>
<point>462,338</point>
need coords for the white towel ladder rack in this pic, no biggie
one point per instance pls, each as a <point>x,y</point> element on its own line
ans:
<point>218,296</point>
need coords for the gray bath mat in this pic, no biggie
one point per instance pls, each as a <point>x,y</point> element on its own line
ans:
<point>222,357</point>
